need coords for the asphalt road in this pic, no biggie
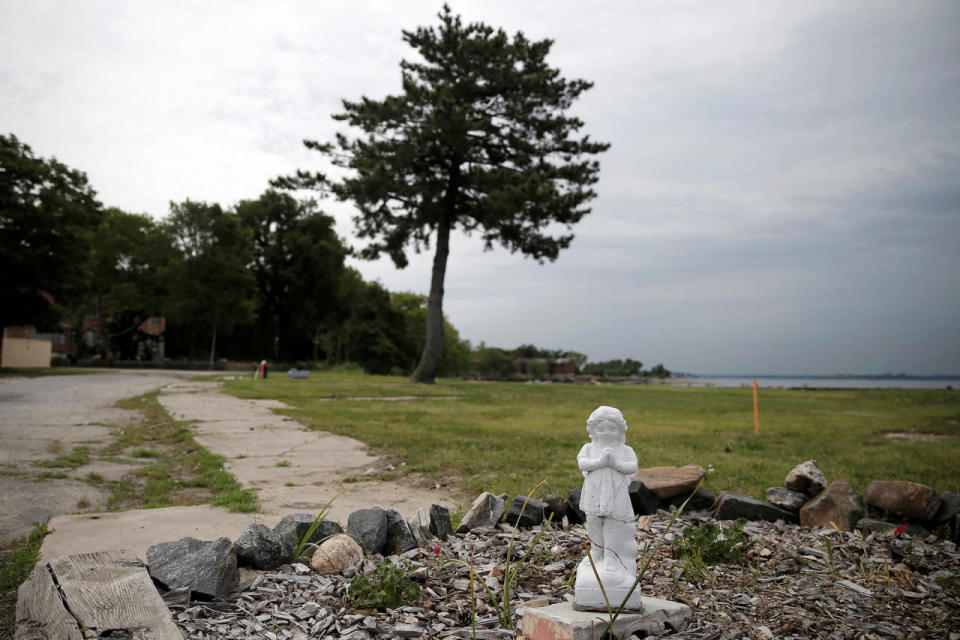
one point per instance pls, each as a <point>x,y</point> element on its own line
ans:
<point>41,418</point>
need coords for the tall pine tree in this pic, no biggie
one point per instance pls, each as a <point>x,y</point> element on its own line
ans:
<point>478,140</point>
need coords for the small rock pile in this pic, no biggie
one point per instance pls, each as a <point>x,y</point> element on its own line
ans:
<point>792,582</point>
<point>837,575</point>
<point>806,498</point>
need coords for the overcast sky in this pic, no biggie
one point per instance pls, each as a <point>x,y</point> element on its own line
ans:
<point>782,194</point>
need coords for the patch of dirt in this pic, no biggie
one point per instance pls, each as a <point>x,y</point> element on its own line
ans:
<point>191,495</point>
<point>916,436</point>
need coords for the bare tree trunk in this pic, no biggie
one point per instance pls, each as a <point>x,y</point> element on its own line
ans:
<point>434,345</point>
<point>213,341</point>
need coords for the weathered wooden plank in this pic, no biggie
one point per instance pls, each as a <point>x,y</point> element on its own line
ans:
<point>112,590</point>
<point>40,612</point>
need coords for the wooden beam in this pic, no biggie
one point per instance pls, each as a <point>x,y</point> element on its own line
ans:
<point>107,590</point>
<point>40,611</point>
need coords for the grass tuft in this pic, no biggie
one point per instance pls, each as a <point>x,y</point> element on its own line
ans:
<point>177,462</point>
<point>17,561</point>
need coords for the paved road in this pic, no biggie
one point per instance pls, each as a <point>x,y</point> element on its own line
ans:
<point>41,418</point>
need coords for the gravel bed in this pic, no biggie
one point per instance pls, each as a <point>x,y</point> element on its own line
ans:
<point>791,583</point>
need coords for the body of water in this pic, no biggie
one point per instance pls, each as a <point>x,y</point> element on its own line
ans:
<point>822,383</point>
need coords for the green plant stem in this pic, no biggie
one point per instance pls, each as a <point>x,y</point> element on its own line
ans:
<point>304,541</point>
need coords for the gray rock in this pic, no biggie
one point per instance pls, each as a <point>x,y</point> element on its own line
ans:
<point>644,501</point>
<point>440,523</point>
<point>419,525</point>
<point>208,569</point>
<point>806,478</point>
<point>369,528</point>
<point>730,506</point>
<point>786,499</point>
<point>949,507</point>
<point>295,526</point>
<point>574,514</point>
<point>836,506</point>
<point>262,548</point>
<point>902,498</point>
<point>556,507</point>
<point>486,511</point>
<point>532,514</point>
<point>700,500</point>
<point>399,538</point>
<point>868,525</point>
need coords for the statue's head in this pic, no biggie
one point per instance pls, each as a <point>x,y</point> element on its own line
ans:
<point>607,416</point>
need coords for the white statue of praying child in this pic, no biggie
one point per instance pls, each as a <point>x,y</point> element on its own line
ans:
<point>608,466</point>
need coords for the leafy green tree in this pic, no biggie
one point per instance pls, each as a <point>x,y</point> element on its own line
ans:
<point>493,362</point>
<point>628,367</point>
<point>367,329</point>
<point>213,285</point>
<point>48,213</point>
<point>298,264</point>
<point>130,263</point>
<point>456,353</point>
<point>478,140</point>
<point>659,371</point>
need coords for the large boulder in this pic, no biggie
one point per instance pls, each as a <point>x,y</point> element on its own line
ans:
<point>836,506</point>
<point>786,499</point>
<point>806,478</point>
<point>644,501</point>
<point>399,538</point>
<point>731,506</point>
<point>440,523</point>
<point>335,555</point>
<point>532,515</point>
<point>261,548</point>
<point>667,482</point>
<point>296,525</point>
<point>208,569</point>
<point>369,528</point>
<point>902,498</point>
<point>486,511</point>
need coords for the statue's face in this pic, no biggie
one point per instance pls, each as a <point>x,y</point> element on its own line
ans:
<point>606,429</point>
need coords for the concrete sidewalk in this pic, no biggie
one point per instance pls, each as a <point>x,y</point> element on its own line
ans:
<point>292,469</point>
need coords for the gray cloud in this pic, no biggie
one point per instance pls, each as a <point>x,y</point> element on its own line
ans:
<point>782,194</point>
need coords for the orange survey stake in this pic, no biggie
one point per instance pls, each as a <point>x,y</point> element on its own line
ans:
<point>756,415</point>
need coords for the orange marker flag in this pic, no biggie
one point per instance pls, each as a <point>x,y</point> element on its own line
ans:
<point>756,414</point>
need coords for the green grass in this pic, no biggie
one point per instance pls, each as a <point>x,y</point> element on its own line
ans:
<point>177,462</point>
<point>76,458</point>
<point>17,560</point>
<point>505,437</point>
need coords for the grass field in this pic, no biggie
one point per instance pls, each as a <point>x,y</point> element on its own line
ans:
<point>505,437</point>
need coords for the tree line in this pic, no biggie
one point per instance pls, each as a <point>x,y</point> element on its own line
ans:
<point>266,278</point>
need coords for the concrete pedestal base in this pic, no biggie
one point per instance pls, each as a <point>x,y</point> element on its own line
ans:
<point>589,597</point>
<point>563,622</point>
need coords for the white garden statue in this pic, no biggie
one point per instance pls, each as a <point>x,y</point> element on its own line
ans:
<point>608,465</point>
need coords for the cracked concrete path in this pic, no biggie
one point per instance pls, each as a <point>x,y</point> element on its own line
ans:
<point>291,468</point>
